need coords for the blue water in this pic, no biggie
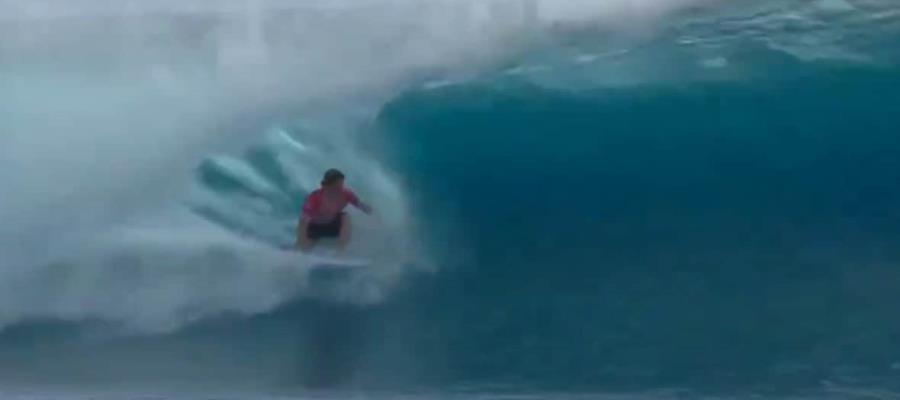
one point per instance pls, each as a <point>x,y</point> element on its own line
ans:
<point>716,234</point>
<point>648,225</point>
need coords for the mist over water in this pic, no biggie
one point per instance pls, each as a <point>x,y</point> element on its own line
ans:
<point>569,193</point>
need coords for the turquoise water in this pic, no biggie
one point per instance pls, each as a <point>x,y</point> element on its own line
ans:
<point>720,233</point>
<point>706,211</point>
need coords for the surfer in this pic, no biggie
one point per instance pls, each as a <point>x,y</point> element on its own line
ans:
<point>323,213</point>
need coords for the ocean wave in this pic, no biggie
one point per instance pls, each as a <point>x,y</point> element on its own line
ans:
<point>607,193</point>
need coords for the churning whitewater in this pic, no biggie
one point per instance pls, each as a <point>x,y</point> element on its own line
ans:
<point>111,107</point>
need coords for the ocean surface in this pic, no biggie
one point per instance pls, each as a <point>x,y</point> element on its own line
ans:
<point>574,199</point>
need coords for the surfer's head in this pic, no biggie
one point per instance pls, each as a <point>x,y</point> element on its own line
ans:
<point>333,179</point>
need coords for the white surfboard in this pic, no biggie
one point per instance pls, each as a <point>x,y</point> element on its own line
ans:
<point>336,262</point>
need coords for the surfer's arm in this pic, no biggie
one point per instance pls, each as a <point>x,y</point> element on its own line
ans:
<point>309,208</point>
<point>364,207</point>
<point>303,241</point>
<point>356,202</point>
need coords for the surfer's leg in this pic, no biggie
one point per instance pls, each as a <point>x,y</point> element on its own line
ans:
<point>346,230</point>
<point>308,236</point>
<point>305,245</point>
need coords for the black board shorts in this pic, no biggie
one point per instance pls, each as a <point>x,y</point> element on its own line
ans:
<point>330,229</point>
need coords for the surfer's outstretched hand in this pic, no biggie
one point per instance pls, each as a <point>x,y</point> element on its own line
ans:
<point>366,208</point>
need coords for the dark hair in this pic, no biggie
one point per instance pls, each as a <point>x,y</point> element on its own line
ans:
<point>332,176</point>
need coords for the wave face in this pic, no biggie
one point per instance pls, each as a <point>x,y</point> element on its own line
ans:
<point>638,194</point>
<point>668,232</point>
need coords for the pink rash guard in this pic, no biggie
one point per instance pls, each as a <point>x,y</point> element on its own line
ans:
<point>322,209</point>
